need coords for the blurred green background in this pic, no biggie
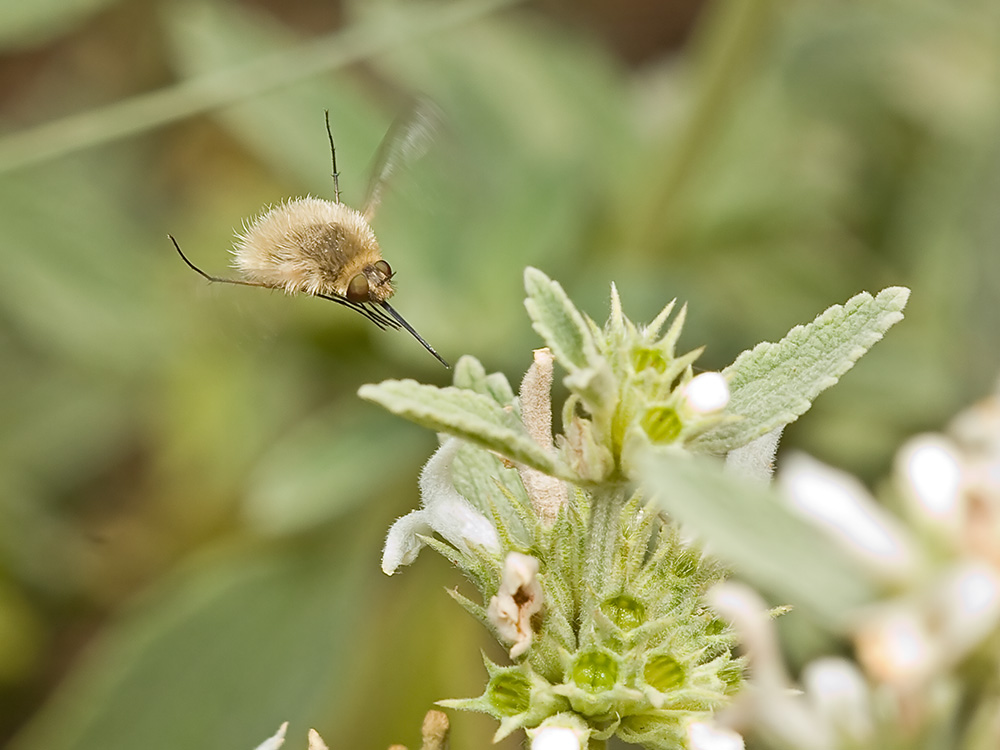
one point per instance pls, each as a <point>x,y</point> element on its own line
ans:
<point>192,499</point>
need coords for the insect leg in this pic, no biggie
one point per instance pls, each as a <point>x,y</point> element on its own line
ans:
<point>201,273</point>
<point>390,322</point>
<point>375,317</point>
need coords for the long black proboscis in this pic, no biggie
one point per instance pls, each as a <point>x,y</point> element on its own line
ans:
<point>417,336</point>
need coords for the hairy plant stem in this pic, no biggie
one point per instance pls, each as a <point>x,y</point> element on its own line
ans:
<point>606,506</point>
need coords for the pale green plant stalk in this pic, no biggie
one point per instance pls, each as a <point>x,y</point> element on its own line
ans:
<point>596,593</point>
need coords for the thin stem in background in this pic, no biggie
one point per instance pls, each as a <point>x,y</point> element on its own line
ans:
<point>726,53</point>
<point>214,90</point>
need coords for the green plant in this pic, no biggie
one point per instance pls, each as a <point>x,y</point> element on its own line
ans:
<point>599,596</point>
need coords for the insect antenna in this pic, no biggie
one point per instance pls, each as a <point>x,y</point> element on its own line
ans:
<point>408,327</point>
<point>333,157</point>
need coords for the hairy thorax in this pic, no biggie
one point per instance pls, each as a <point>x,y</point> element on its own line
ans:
<point>311,246</point>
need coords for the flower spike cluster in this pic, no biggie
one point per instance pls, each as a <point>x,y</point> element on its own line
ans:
<point>597,595</point>
<point>932,543</point>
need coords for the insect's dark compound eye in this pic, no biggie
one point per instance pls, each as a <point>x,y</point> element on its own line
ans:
<point>357,290</point>
<point>383,268</point>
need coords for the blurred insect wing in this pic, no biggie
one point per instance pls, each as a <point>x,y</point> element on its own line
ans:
<point>409,137</point>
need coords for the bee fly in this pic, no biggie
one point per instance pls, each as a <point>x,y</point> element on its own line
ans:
<point>326,249</point>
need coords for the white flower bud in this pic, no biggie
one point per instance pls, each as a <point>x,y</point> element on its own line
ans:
<point>704,736</point>
<point>707,393</point>
<point>556,738</point>
<point>560,732</point>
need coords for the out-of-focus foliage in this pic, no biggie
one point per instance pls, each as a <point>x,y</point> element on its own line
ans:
<point>192,499</point>
<point>29,24</point>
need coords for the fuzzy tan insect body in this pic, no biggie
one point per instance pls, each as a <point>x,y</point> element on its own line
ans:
<point>326,249</point>
<point>313,246</point>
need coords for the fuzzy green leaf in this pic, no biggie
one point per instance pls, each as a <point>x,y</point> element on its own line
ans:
<point>491,487</point>
<point>558,322</point>
<point>753,530</point>
<point>471,375</point>
<point>466,414</point>
<point>774,384</point>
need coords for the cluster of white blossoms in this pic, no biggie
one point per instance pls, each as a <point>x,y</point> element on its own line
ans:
<point>926,652</point>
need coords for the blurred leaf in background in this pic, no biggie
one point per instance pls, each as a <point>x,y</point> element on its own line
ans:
<point>192,498</point>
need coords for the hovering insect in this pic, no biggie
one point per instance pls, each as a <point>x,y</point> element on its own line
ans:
<point>326,249</point>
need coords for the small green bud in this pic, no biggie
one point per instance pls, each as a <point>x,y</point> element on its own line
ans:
<point>624,611</point>
<point>644,358</point>
<point>663,672</point>
<point>661,424</point>
<point>715,627</point>
<point>509,693</point>
<point>595,671</point>
<point>685,564</point>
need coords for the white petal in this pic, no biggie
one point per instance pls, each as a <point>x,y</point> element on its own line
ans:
<point>445,512</point>
<point>273,743</point>
<point>458,522</point>
<point>840,504</point>
<point>517,600</point>
<point>402,544</point>
<point>450,514</point>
